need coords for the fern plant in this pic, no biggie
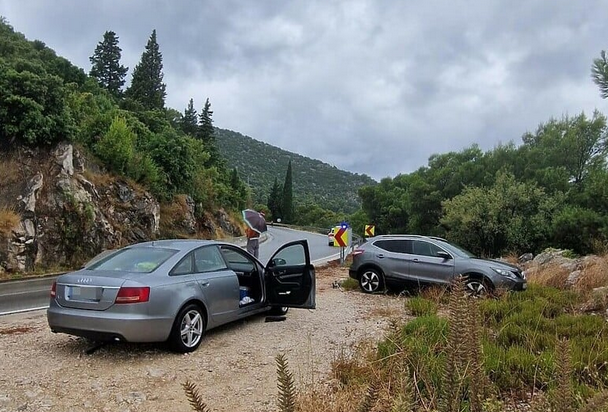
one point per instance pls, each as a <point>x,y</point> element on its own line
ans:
<point>286,385</point>
<point>194,397</point>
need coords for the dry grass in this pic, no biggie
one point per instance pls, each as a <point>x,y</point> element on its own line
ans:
<point>99,179</point>
<point>10,171</point>
<point>9,219</point>
<point>594,275</point>
<point>548,275</point>
<point>17,330</point>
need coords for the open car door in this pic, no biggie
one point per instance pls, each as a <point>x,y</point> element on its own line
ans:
<point>290,277</point>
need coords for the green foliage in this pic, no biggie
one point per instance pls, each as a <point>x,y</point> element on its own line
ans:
<point>509,216</point>
<point>419,306</point>
<point>577,228</point>
<point>286,385</point>
<point>287,199</point>
<point>599,73</point>
<point>117,146</point>
<point>189,122</point>
<point>147,87</point>
<point>32,105</point>
<point>106,67</point>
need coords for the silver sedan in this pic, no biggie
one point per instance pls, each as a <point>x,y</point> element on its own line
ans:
<point>175,290</point>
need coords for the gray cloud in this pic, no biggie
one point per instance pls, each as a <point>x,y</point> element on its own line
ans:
<point>371,87</point>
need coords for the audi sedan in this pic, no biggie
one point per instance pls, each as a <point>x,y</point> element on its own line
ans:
<point>176,290</point>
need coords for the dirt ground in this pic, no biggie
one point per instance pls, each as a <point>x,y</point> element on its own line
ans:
<point>234,368</point>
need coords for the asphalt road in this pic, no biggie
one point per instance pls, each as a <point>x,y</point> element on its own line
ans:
<point>25,295</point>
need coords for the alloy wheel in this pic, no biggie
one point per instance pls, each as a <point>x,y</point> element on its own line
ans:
<point>191,328</point>
<point>370,281</point>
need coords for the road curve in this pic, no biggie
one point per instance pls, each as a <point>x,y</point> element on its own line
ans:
<point>32,294</point>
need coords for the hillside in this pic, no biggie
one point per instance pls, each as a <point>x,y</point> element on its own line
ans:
<point>313,180</point>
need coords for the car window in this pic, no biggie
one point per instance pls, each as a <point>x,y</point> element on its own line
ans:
<point>184,267</point>
<point>135,259</point>
<point>395,245</point>
<point>208,259</point>
<point>237,260</point>
<point>425,248</point>
<point>291,255</point>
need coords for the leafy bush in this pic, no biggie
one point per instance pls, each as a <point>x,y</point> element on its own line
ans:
<point>117,146</point>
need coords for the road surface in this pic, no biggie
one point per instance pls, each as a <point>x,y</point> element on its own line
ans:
<point>25,295</point>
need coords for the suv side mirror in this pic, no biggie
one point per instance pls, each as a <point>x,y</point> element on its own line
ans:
<point>444,255</point>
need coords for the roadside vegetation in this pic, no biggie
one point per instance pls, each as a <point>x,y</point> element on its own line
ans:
<point>542,350</point>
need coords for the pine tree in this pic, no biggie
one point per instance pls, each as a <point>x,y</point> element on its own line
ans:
<point>274,200</point>
<point>189,122</point>
<point>206,133</point>
<point>147,86</point>
<point>287,204</point>
<point>108,71</point>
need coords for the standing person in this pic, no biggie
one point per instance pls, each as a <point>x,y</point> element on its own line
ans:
<point>253,242</point>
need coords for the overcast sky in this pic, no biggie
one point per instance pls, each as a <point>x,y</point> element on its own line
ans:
<point>371,87</point>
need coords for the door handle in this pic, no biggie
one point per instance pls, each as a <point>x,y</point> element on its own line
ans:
<point>205,283</point>
<point>415,260</point>
<point>380,256</point>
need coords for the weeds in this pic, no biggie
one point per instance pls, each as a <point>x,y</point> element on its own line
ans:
<point>9,219</point>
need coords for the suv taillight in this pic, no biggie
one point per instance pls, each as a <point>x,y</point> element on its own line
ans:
<point>54,290</point>
<point>133,295</point>
<point>357,252</point>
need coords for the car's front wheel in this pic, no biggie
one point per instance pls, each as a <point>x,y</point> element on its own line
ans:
<point>477,287</point>
<point>371,281</point>
<point>188,329</point>
<point>279,310</point>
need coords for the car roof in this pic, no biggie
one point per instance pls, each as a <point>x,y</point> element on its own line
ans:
<point>180,244</point>
<point>402,236</point>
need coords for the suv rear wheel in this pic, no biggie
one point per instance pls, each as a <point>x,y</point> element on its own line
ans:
<point>371,280</point>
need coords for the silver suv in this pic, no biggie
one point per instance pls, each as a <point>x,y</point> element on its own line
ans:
<point>402,260</point>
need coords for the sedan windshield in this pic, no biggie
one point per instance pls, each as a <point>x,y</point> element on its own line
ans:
<point>136,259</point>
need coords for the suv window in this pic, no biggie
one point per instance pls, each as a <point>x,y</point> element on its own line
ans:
<point>425,248</point>
<point>395,245</point>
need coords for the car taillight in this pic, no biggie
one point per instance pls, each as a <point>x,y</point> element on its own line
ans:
<point>133,295</point>
<point>54,290</point>
<point>357,252</point>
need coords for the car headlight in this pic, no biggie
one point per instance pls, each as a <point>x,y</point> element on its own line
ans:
<point>504,272</point>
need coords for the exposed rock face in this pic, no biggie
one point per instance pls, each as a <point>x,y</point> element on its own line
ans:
<point>66,218</point>
<point>69,213</point>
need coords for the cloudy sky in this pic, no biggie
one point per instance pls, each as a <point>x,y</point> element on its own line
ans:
<point>370,86</point>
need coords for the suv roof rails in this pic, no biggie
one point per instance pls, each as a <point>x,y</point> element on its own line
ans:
<point>414,236</point>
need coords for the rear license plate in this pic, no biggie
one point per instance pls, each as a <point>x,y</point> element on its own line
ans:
<point>82,293</point>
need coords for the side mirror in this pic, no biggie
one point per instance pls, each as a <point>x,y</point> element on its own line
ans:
<point>277,262</point>
<point>444,255</point>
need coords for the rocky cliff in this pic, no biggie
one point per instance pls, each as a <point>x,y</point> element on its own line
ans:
<point>67,210</point>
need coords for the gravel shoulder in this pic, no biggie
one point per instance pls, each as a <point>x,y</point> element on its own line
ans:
<point>234,368</point>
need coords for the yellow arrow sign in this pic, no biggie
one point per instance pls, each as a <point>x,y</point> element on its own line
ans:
<point>369,230</point>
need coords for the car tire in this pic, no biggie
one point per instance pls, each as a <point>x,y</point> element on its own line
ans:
<point>278,310</point>
<point>188,329</point>
<point>477,287</point>
<point>371,281</point>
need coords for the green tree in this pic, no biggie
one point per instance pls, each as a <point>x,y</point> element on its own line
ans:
<point>599,73</point>
<point>108,71</point>
<point>275,199</point>
<point>206,133</point>
<point>287,203</point>
<point>116,148</point>
<point>147,85</point>
<point>189,121</point>
<point>509,216</point>
<point>33,106</point>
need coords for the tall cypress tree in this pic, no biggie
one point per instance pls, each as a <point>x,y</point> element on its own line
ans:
<point>287,205</point>
<point>147,86</point>
<point>106,67</point>
<point>274,200</point>
<point>189,122</point>
<point>206,133</point>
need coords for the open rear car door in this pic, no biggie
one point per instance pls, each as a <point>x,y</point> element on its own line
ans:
<point>290,277</point>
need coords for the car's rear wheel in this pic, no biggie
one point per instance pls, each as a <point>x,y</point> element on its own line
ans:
<point>477,287</point>
<point>371,281</point>
<point>188,329</point>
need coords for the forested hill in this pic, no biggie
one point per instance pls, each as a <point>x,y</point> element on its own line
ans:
<point>313,180</point>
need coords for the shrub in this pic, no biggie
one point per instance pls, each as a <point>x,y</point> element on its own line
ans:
<point>8,220</point>
<point>116,147</point>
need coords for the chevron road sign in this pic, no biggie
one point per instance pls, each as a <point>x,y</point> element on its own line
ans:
<point>369,230</point>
